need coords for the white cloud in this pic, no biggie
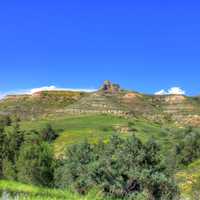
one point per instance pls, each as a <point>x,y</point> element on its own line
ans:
<point>171,91</point>
<point>176,90</point>
<point>44,88</point>
<point>161,92</point>
<point>2,95</point>
<point>52,87</point>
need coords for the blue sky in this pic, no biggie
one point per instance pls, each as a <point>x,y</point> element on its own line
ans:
<point>143,45</point>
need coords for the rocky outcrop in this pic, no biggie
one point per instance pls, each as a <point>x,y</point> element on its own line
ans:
<point>37,94</point>
<point>130,97</point>
<point>169,99</point>
<point>175,99</point>
<point>17,97</point>
<point>109,87</point>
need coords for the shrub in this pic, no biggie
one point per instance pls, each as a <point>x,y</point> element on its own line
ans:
<point>48,134</point>
<point>25,156</point>
<point>9,170</point>
<point>10,143</point>
<point>13,139</point>
<point>35,164</point>
<point>5,120</point>
<point>188,146</point>
<point>2,136</point>
<point>121,168</point>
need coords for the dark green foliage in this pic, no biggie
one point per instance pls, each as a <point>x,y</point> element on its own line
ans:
<point>79,158</point>
<point>35,164</point>
<point>5,120</point>
<point>2,136</point>
<point>32,137</point>
<point>9,170</point>
<point>26,156</point>
<point>48,134</point>
<point>125,168</point>
<point>121,168</point>
<point>188,146</point>
<point>15,119</point>
<point>13,140</point>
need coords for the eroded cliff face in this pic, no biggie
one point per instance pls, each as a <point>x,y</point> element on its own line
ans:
<point>181,109</point>
<point>173,103</point>
<point>112,99</point>
<point>109,99</point>
<point>109,87</point>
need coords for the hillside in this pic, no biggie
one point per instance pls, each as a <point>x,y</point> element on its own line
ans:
<point>189,181</point>
<point>40,104</point>
<point>80,116</point>
<point>109,99</point>
<point>75,129</point>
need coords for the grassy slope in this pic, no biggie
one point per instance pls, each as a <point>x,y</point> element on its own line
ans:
<point>29,192</point>
<point>94,127</point>
<point>42,105</point>
<point>189,180</point>
<point>76,129</point>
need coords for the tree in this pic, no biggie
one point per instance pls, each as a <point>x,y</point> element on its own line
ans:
<point>12,139</point>
<point>79,158</point>
<point>48,134</point>
<point>35,164</point>
<point>9,170</point>
<point>122,168</point>
<point>25,156</point>
<point>188,147</point>
<point>2,136</point>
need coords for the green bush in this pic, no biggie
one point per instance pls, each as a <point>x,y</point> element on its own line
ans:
<point>35,164</point>
<point>2,136</point>
<point>11,140</point>
<point>8,170</point>
<point>27,156</point>
<point>5,120</point>
<point>188,147</point>
<point>120,168</point>
<point>48,134</point>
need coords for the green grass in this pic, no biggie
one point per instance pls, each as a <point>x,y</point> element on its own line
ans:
<point>73,130</point>
<point>19,191</point>
<point>76,129</point>
<point>189,180</point>
<point>29,192</point>
<point>74,123</point>
<point>23,189</point>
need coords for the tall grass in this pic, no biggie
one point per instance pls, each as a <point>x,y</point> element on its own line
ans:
<point>10,190</point>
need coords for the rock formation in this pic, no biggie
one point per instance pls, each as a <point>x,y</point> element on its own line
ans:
<point>109,87</point>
